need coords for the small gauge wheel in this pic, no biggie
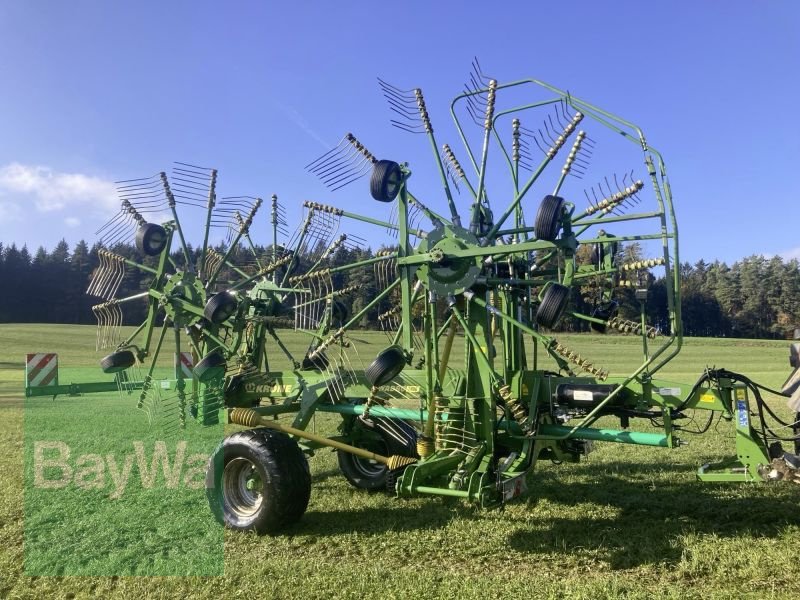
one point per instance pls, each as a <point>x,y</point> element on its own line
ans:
<point>384,185</point>
<point>211,364</point>
<point>386,366</point>
<point>118,361</point>
<point>553,305</point>
<point>220,307</point>
<point>151,239</point>
<point>548,218</point>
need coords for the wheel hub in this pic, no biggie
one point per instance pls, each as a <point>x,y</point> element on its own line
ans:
<point>266,292</point>
<point>241,486</point>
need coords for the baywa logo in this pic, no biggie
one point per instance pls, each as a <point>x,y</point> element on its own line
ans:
<point>55,466</point>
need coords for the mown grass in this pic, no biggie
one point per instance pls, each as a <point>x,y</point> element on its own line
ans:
<point>626,522</point>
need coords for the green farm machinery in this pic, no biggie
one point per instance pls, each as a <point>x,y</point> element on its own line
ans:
<point>473,385</point>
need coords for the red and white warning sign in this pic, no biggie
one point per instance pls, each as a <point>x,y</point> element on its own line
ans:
<point>41,369</point>
<point>184,362</point>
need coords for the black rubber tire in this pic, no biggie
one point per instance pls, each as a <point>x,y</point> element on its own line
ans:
<point>118,361</point>
<point>151,239</point>
<point>548,218</point>
<point>284,476</point>
<point>386,366</point>
<point>369,475</point>
<point>604,311</point>
<point>384,184</point>
<point>554,303</point>
<point>219,308</point>
<point>211,365</point>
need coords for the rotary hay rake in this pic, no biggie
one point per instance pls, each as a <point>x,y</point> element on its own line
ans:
<point>411,422</point>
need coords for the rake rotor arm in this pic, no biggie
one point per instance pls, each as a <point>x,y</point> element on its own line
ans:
<point>354,320</point>
<point>293,258</point>
<point>270,268</point>
<point>434,217</point>
<point>356,217</point>
<point>546,342</point>
<point>415,297</point>
<point>455,218</point>
<point>343,268</point>
<point>243,228</point>
<point>149,377</point>
<point>144,268</point>
<point>252,247</point>
<point>171,203</point>
<point>210,203</point>
<point>127,343</point>
<point>476,347</point>
<point>233,267</point>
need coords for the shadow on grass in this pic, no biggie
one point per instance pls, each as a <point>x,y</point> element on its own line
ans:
<point>320,475</point>
<point>380,520</point>
<point>647,518</point>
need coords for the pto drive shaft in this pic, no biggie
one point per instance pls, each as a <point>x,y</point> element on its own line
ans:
<point>250,418</point>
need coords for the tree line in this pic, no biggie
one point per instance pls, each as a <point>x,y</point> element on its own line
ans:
<point>755,297</point>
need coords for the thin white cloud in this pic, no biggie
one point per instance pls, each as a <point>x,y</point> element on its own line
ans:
<point>790,254</point>
<point>298,119</point>
<point>53,190</point>
<point>72,221</point>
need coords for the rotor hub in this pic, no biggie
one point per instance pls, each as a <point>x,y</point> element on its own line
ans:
<point>183,287</point>
<point>267,293</point>
<point>449,272</point>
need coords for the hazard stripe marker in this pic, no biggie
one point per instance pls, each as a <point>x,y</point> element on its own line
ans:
<point>41,369</point>
<point>185,364</point>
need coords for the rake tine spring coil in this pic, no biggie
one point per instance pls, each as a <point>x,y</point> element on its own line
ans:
<point>609,202</point>
<point>578,360</point>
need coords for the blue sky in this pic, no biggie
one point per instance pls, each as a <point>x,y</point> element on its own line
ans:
<point>99,91</point>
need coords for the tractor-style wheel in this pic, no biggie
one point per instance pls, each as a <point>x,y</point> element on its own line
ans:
<point>210,365</point>
<point>258,480</point>
<point>548,218</point>
<point>382,438</point>
<point>151,239</point>
<point>219,308</point>
<point>384,184</point>
<point>554,302</point>
<point>386,366</point>
<point>118,361</point>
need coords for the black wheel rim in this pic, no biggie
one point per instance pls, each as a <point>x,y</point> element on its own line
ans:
<point>392,185</point>
<point>156,241</point>
<point>368,467</point>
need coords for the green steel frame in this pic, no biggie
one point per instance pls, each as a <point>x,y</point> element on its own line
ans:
<point>483,427</point>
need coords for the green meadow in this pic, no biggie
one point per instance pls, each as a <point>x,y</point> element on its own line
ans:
<point>626,522</point>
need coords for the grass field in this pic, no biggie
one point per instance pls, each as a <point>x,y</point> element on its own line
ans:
<point>626,522</point>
